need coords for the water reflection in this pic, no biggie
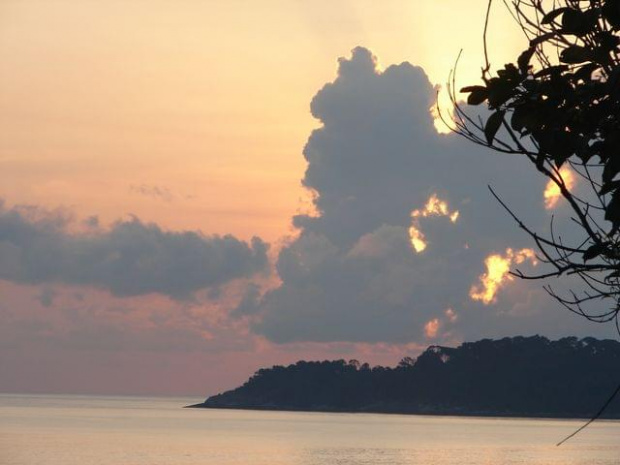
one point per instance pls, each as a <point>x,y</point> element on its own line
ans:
<point>61,430</point>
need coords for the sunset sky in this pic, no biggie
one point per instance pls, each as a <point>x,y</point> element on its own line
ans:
<point>191,190</point>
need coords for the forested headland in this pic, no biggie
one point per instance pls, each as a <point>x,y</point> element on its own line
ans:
<point>520,376</point>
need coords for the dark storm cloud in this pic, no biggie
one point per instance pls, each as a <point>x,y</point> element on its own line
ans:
<point>131,258</point>
<point>249,303</point>
<point>352,274</point>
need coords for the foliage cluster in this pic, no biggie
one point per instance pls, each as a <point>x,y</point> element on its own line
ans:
<point>559,104</point>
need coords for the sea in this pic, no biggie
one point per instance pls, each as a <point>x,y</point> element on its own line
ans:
<point>95,430</point>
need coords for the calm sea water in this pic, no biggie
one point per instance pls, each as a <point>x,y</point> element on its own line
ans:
<point>84,430</point>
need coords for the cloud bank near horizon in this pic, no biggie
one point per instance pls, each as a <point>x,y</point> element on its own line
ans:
<point>131,258</point>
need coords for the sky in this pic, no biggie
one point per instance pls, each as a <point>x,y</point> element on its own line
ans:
<point>192,190</point>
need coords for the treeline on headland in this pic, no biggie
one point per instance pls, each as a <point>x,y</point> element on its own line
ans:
<point>520,376</point>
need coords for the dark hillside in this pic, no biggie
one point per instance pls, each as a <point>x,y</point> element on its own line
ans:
<point>513,377</point>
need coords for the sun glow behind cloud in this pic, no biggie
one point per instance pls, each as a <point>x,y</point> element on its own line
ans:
<point>443,112</point>
<point>434,207</point>
<point>434,326</point>
<point>451,315</point>
<point>497,274</point>
<point>552,194</point>
<point>417,239</point>
<point>431,328</point>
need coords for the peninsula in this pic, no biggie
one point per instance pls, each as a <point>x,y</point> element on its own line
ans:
<point>520,376</point>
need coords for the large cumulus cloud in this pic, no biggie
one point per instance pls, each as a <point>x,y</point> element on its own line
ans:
<point>352,275</point>
<point>130,258</point>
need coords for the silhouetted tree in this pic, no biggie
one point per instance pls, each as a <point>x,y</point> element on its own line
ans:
<point>559,105</point>
<point>354,363</point>
<point>406,362</point>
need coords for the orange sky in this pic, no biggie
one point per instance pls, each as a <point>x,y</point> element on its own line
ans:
<point>192,114</point>
<point>202,106</point>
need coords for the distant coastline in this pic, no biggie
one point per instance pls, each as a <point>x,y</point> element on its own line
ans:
<point>521,377</point>
<point>453,413</point>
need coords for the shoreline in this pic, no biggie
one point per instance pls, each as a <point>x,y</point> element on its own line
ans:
<point>437,413</point>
